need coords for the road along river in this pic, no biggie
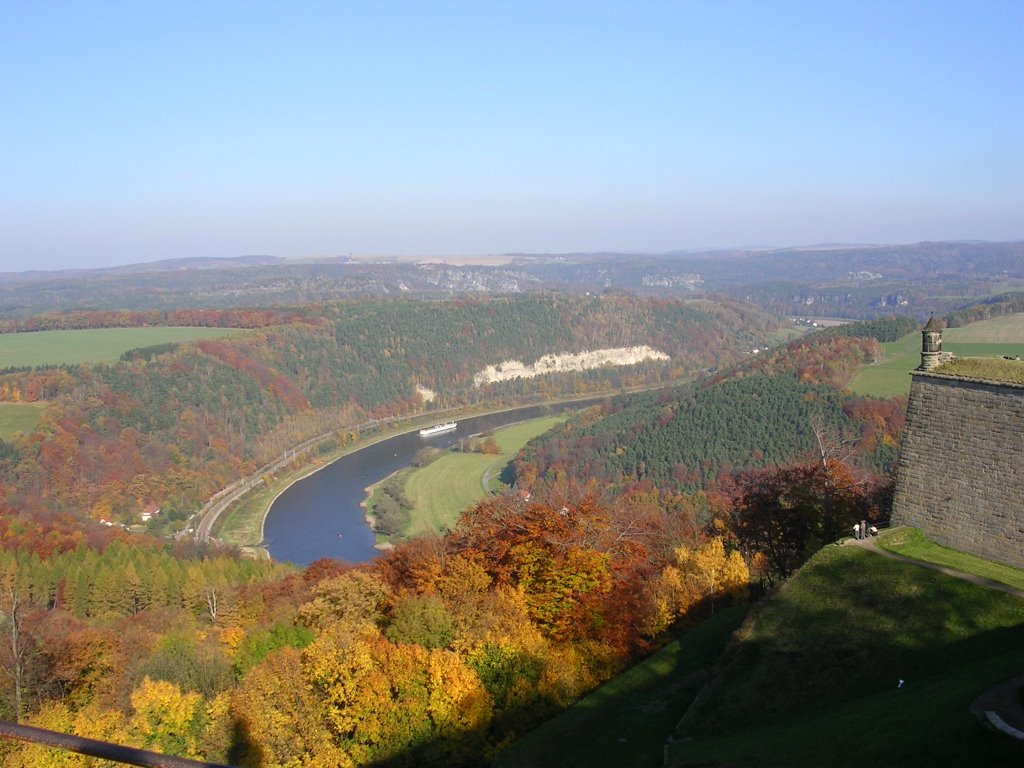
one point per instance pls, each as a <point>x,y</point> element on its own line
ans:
<point>319,515</point>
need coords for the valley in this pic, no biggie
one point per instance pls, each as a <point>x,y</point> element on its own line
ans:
<point>636,525</point>
<point>449,385</point>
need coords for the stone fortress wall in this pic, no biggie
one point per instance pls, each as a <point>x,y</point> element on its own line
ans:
<point>961,469</point>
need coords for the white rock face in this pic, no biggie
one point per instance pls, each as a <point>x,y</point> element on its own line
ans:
<point>568,361</point>
<point>427,395</point>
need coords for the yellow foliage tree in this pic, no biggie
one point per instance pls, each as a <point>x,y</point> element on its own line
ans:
<point>458,702</point>
<point>707,573</point>
<point>383,698</point>
<point>281,722</point>
<point>667,599</point>
<point>713,573</point>
<point>55,716</point>
<point>95,722</point>
<point>165,719</point>
<point>230,638</point>
<point>353,597</point>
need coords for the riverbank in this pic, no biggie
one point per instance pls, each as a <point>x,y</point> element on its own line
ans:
<point>243,523</point>
<point>440,491</point>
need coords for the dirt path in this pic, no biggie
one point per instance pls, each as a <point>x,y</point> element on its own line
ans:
<point>871,544</point>
<point>485,481</point>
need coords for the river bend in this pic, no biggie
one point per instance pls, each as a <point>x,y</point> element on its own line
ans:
<point>319,515</point>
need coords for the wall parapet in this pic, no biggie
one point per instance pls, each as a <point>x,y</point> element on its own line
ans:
<point>968,379</point>
<point>961,469</point>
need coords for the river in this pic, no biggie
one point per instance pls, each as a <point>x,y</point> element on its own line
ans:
<point>319,516</point>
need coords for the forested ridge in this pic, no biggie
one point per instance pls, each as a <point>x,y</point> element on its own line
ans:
<point>205,318</point>
<point>1003,304</point>
<point>169,426</point>
<point>767,412</point>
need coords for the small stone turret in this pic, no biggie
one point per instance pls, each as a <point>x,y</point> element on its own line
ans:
<point>931,345</point>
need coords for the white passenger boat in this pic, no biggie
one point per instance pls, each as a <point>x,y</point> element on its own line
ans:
<point>437,429</point>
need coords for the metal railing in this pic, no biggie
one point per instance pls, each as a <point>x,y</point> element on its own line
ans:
<point>101,749</point>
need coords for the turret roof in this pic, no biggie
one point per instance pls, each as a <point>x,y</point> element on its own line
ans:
<point>934,326</point>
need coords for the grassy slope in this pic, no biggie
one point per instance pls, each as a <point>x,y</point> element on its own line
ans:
<point>92,345</point>
<point>890,376</point>
<point>624,723</point>
<point>440,491</point>
<point>910,542</point>
<point>814,681</point>
<point>19,417</point>
<point>986,338</point>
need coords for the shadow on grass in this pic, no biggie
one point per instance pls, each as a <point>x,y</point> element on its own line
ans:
<point>817,679</point>
<point>508,474</point>
<point>626,722</point>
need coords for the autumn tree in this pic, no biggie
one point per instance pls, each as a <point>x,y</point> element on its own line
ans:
<point>787,514</point>
<point>192,664</point>
<point>355,597</point>
<point>18,647</point>
<point>714,573</point>
<point>383,699</point>
<point>421,619</point>
<point>698,578</point>
<point>166,719</point>
<point>280,720</point>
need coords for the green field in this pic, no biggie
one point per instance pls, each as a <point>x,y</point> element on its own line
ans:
<point>19,417</point>
<point>1008,329</point>
<point>816,680</point>
<point>91,345</point>
<point>624,723</point>
<point>440,491</point>
<point>986,338</point>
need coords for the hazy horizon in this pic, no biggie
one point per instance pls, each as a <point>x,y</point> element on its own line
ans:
<point>142,132</point>
<point>469,259</point>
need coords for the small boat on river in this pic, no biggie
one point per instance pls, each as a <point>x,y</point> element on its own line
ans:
<point>437,429</point>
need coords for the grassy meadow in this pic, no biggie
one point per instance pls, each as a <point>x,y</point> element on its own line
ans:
<point>816,678</point>
<point>91,345</point>
<point>19,417</point>
<point>985,338</point>
<point>441,490</point>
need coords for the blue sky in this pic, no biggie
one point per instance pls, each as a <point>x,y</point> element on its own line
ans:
<point>138,131</point>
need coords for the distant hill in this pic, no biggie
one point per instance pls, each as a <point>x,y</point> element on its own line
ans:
<point>195,262</point>
<point>852,281</point>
